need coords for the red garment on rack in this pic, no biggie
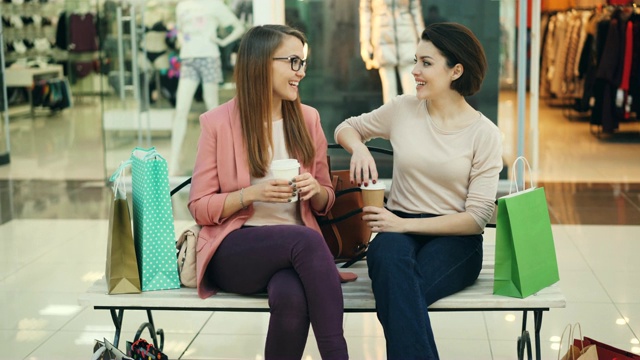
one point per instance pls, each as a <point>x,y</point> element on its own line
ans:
<point>82,33</point>
<point>626,67</point>
<point>620,2</point>
<point>628,56</point>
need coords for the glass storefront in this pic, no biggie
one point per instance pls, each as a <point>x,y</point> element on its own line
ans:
<point>4,111</point>
<point>338,83</point>
<point>139,98</point>
<point>141,45</point>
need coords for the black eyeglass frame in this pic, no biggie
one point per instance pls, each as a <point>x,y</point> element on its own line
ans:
<point>294,59</point>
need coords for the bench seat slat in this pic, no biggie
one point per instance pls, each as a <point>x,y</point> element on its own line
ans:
<point>357,297</point>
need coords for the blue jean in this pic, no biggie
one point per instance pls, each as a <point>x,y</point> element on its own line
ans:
<point>294,266</point>
<point>410,272</point>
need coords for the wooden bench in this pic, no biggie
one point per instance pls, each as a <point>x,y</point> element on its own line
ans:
<point>357,298</point>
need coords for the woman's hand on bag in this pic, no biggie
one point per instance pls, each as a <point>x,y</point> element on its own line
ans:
<point>307,186</point>
<point>273,191</point>
<point>382,220</point>
<point>362,167</point>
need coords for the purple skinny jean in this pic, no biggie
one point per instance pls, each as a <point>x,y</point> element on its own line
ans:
<point>293,265</point>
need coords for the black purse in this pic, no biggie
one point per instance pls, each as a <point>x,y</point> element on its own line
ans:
<point>140,349</point>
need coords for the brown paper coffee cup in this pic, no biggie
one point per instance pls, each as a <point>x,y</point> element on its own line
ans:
<point>373,195</point>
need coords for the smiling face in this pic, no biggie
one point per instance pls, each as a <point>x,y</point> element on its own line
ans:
<point>284,80</point>
<point>431,72</point>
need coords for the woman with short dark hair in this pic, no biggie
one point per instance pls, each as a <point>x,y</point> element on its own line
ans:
<point>447,158</point>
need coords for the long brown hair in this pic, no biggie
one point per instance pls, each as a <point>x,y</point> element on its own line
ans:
<point>254,95</point>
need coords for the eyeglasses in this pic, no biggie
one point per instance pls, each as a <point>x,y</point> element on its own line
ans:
<point>296,62</point>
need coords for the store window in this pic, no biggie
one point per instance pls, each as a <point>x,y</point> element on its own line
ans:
<point>338,83</point>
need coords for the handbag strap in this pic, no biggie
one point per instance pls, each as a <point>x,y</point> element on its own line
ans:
<point>179,187</point>
<point>514,176</point>
<point>153,332</point>
<point>339,218</point>
<point>333,220</point>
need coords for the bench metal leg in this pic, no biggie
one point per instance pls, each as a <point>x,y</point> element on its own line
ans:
<point>160,332</point>
<point>537,325</point>
<point>117,315</point>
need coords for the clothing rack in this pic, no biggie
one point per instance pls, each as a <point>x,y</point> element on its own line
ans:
<point>81,35</point>
<point>582,72</point>
<point>29,30</point>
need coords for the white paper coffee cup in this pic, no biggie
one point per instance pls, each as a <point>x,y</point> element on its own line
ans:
<point>373,194</point>
<point>286,169</point>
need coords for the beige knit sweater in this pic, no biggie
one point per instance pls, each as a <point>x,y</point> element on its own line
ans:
<point>435,171</point>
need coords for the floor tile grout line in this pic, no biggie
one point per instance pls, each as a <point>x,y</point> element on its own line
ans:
<point>628,199</point>
<point>595,275</point>
<point>196,335</point>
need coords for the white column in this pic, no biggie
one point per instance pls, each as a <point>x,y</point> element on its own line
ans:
<point>534,88</point>
<point>268,12</point>
<point>521,84</point>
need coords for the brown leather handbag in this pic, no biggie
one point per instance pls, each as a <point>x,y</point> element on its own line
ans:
<point>346,234</point>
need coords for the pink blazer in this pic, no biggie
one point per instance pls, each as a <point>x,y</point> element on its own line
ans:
<point>221,167</point>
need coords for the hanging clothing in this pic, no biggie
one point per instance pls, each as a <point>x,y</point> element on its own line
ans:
<point>54,94</point>
<point>393,28</point>
<point>82,33</point>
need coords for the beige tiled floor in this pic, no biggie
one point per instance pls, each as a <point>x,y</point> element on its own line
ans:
<point>50,257</point>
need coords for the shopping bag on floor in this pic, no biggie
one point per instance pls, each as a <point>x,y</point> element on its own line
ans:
<point>141,349</point>
<point>577,348</point>
<point>121,267</point>
<point>153,228</point>
<point>525,256</point>
<point>104,350</point>
<point>608,352</point>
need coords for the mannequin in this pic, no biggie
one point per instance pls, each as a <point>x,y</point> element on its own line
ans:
<point>389,32</point>
<point>197,22</point>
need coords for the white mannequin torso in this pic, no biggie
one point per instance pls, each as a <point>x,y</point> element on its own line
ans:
<point>198,22</point>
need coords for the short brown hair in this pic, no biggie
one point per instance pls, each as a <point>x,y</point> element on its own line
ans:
<point>459,46</point>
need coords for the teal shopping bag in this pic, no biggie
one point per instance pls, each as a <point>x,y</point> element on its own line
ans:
<point>525,259</point>
<point>153,228</point>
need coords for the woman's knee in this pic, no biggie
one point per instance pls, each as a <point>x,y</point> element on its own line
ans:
<point>388,248</point>
<point>309,241</point>
<point>286,293</point>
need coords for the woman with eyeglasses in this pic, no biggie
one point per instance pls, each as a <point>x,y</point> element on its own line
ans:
<point>254,238</point>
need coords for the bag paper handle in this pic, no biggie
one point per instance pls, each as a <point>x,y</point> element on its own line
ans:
<point>98,354</point>
<point>514,176</point>
<point>568,327</point>
<point>572,333</point>
<point>118,179</point>
<point>150,153</point>
<point>119,171</point>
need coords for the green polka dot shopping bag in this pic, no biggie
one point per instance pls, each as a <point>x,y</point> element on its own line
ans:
<point>153,228</point>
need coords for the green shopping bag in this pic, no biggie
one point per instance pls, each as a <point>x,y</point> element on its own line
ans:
<point>525,259</point>
<point>153,228</point>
